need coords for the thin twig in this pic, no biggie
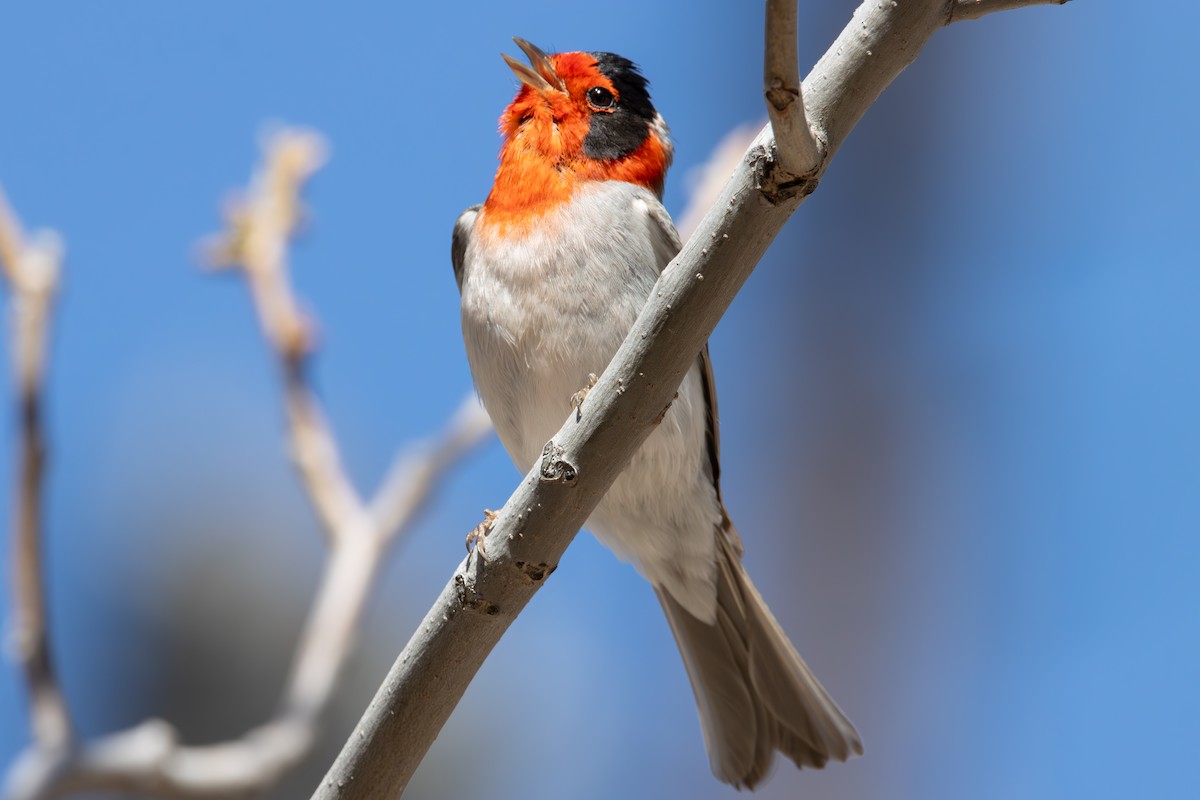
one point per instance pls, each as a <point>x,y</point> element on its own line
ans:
<point>528,537</point>
<point>257,243</point>
<point>148,758</point>
<point>799,150</point>
<point>962,10</point>
<point>412,475</point>
<point>31,268</point>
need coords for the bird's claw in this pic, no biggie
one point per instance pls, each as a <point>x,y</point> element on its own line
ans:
<point>478,534</point>
<point>578,398</point>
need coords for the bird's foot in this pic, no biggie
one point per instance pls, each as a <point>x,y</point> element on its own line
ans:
<point>478,534</point>
<point>578,398</point>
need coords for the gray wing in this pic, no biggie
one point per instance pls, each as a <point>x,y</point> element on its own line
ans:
<point>460,240</point>
<point>666,246</point>
<point>663,235</point>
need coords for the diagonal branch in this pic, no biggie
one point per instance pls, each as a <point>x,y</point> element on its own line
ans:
<point>529,536</point>
<point>148,759</point>
<point>799,150</point>
<point>31,269</point>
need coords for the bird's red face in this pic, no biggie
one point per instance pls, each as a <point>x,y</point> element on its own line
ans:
<point>578,117</point>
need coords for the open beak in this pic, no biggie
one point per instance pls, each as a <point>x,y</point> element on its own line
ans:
<point>542,77</point>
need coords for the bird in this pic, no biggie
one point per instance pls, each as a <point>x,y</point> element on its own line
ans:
<point>553,269</point>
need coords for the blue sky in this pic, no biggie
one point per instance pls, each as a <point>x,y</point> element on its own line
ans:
<point>958,396</point>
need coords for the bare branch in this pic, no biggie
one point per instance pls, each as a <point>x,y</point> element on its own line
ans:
<point>148,759</point>
<point>974,9</point>
<point>31,268</point>
<point>578,465</point>
<point>260,227</point>
<point>350,573</point>
<point>799,150</point>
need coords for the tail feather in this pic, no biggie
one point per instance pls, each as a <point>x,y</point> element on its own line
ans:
<point>754,692</point>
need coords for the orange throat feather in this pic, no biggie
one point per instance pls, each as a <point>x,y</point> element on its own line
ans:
<point>542,164</point>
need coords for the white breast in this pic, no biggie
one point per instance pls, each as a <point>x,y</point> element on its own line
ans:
<point>540,312</point>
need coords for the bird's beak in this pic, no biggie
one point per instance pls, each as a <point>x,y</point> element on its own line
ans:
<point>542,78</point>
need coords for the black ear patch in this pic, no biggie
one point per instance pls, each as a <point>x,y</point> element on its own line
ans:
<point>617,133</point>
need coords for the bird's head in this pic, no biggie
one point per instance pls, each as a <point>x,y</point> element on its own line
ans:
<point>577,117</point>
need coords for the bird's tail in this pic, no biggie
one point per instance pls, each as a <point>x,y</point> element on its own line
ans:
<point>755,694</point>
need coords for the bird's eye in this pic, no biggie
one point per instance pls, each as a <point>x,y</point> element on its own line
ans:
<point>600,98</point>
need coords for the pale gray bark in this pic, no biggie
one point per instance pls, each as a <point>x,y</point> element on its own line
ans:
<point>489,590</point>
<point>799,152</point>
<point>31,266</point>
<point>148,759</point>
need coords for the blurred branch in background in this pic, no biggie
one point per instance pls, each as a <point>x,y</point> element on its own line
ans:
<point>259,228</point>
<point>529,536</point>
<point>31,268</point>
<point>148,759</point>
